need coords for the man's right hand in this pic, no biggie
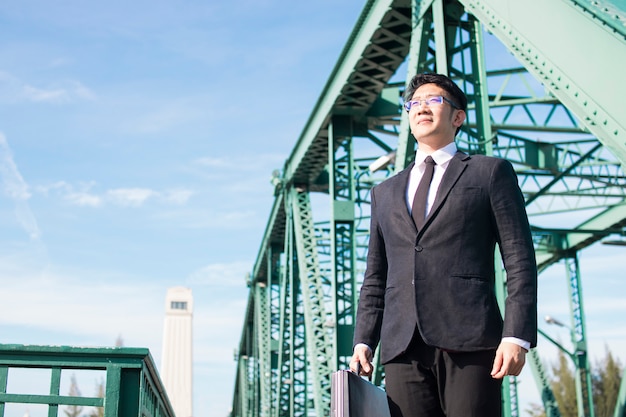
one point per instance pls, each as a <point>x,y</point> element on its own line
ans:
<point>362,356</point>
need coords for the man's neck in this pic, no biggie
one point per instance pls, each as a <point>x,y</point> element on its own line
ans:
<point>429,149</point>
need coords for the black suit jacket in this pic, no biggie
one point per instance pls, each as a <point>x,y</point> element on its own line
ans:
<point>441,278</point>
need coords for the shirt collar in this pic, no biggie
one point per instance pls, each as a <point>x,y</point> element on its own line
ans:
<point>441,156</point>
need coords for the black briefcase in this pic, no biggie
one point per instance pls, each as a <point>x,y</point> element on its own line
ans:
<point>353,396</point>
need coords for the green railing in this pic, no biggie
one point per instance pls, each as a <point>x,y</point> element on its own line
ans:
<point>129,378</point>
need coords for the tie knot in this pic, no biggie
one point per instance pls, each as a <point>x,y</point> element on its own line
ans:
<point>429,160</point>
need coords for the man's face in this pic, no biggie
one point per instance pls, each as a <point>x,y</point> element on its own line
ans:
<point>434,125</point>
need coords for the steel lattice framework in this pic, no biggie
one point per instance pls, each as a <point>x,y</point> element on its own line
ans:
<point>554,111</point>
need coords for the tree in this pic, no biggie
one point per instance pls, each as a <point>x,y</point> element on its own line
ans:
<point>98,411</point>
<point>564,386</point>
<point>606,384</point>
<point>606,379</point>
<point>73,410</point>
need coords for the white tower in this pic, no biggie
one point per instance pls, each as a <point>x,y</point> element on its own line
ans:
<point>176,364</point>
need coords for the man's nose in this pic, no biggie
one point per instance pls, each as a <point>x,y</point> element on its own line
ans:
<point>422,106</point>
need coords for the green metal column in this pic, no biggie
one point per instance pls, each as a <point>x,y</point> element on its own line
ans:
<point>543,382</point>
<point>4,376</point>
<point>440,37</point>
<point>263,351</point>
<point>319,350</point>
<point>112,391</point>
<point>55,387</point>
<point>510,407</point>
<point>284,394</point>
<point>421,22</point>
<point>253,378</point>
<point>293,388</point>
<point>584,386</point>
<point>477,74</point>
<point>342,238</point>
<point>275,304</point>
<point>243,394</point>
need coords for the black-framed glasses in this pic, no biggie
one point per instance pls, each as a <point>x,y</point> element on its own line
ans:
<point>428,101</point>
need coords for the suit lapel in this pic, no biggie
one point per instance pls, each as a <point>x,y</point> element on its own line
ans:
<point>399,191</point>
<point>455,168</point>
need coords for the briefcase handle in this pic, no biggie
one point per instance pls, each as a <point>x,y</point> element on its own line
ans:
<point>358,371</point>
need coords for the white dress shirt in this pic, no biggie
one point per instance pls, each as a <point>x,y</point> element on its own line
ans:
<point>442,158</point>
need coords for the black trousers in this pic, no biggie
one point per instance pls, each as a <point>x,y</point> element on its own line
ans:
<point>430,382</point>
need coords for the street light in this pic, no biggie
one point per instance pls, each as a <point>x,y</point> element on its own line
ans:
<point>552,320</point>
<point>383,162</point>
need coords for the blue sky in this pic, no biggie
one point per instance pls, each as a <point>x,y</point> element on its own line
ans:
<point>137,142</point>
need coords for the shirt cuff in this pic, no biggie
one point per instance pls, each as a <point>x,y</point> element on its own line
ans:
<point>363,344</point>
<point>517,341</point>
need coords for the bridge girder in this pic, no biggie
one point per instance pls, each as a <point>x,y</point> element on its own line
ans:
<point>550,113</point>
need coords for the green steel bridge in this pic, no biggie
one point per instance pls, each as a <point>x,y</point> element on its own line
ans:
<point>546,83</point>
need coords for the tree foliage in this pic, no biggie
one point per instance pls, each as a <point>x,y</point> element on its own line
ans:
<point>606,384</point>
<point>98,411</point>
<point>73,410</point>
<point>606,378</point>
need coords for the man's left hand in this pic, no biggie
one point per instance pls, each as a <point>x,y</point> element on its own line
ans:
<point>510,359</point>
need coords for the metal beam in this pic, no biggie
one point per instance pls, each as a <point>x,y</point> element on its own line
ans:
<point>570,65</point>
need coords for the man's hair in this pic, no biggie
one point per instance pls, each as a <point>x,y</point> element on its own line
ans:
<point>456,94</point>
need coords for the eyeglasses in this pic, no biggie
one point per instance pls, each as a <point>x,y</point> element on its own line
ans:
<point>429,101</point>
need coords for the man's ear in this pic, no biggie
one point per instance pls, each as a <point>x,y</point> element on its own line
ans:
<point>459,118</point>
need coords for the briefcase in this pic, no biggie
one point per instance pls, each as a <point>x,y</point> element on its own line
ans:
<point>353,396</point>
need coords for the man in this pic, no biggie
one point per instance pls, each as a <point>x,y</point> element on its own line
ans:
<point>428,294</point>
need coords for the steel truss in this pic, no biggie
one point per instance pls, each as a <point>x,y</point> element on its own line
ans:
<point>568,151</point>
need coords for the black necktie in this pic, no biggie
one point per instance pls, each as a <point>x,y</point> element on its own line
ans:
<point>421,195</point>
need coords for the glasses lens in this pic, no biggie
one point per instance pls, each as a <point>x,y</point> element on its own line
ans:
<point>434,100</point>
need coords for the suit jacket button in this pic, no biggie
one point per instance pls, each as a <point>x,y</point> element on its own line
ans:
<point>418,248</point>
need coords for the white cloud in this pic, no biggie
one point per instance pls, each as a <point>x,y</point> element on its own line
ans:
<point>241,162</point>
<point>213,162</point>
<point>13,183</point>
<point>45,189</point>
<point>133,197</point>
<point>78,195</point>
<point>84,195</point>
<point>211,219</point>
<point>59,91</point>
<point>63,92</point>
<point>613,304</point>
<point>79,90</point>
<point>68,302</point>
<point>31,93</point>
<point>178,196</point>
<point>136,197</point>
<point>83,199</point>
<point>167,115</point>
<point>14,186</point>
<point>220,274</point>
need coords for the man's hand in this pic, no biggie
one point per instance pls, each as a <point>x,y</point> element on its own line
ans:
<point>362,356</point>
<point>510,359</point>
